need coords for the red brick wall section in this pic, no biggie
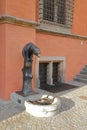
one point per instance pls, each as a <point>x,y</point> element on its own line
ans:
<point>75,53</point>
<point>21,8</point>
<point>13,38</point>
<point>16,38</point>
<point>2,6</point>
<point>80,19</point>
<point>2,61</point>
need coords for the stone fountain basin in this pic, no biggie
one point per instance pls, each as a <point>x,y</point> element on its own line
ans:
<point>40,110</point>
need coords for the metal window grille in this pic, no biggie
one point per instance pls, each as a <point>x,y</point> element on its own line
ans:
<point>48,10</point>
<point>56,11</point>
<point>61,11</point>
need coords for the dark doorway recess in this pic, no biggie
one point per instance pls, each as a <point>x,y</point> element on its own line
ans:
<point>57,84</point>
<point>56,76</point>
<point>43,73</point>
<point>57,88</point>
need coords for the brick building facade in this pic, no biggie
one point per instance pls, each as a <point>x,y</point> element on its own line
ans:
<point>57,27</point>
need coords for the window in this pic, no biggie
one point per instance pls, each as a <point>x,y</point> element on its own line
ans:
<point>49,70</point>
<point>44,73</point>
<point>49,73</point>
<point>56,11</point>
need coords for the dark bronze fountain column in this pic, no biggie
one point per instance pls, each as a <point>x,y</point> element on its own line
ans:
<point>27,77</point>
<point>27,53</point>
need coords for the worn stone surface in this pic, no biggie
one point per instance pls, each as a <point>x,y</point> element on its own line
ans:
<point>72,116</point>
<point>9,109</point>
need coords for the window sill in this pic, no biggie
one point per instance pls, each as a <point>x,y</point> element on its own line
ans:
<point>58,30</point>
<point>53,27</point>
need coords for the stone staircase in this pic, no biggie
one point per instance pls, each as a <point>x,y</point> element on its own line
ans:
<point>81,78</point>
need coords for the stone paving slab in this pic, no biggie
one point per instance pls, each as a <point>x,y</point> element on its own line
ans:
<point>72,116</point>
<point>8,109</point>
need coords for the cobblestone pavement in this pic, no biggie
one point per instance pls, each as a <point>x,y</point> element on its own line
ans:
<point>72,116</point>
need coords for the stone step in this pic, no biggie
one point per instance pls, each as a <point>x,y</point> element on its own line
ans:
<point>76,83</point>
<point>80,80</point>
<point>20,99</point>
<point>83,72</point>
<point>85,65</point>
<point>84,69</point>
<point>82,76</point>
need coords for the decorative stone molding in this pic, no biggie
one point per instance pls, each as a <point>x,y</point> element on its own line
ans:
<point>60,33</point>
<point>17,21</point>
<point>39,27</point>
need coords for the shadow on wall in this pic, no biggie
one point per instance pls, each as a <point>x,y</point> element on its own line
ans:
<point>66,104</point>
